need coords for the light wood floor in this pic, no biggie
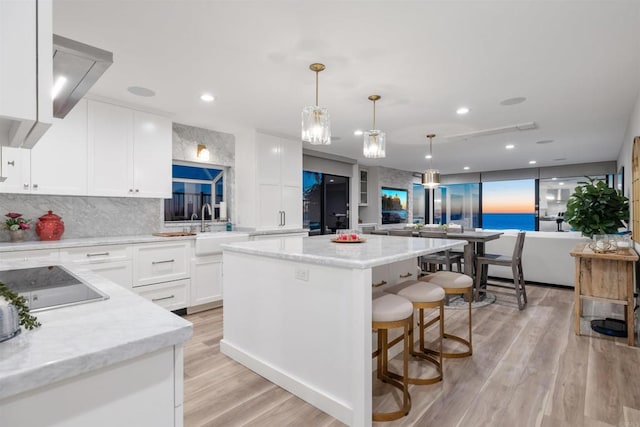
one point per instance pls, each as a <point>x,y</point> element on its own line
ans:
<point>528,369</point>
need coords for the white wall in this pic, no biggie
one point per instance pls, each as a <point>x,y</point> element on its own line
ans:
<point>385,177</point>
<point>624,157</point>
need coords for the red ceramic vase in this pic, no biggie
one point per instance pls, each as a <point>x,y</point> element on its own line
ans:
<point>50,227</point>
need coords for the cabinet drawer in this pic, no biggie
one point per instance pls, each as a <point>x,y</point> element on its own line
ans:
<point>170,295</point>
<point>39,254</point>
<point>96,254</point>
<point>160,263</point>
<point>119,272</point>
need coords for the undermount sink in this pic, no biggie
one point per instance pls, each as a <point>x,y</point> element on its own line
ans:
<point>209,243</point>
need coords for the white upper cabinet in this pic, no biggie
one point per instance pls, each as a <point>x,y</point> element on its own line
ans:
<point>25,71</point>
<point>129,152</point>
<point>279,176</point>
<point>57,165</point>
<point>152,153</point>
<point>59,161</point>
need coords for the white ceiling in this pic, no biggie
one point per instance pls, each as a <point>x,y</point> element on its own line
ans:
<point>576,62</point>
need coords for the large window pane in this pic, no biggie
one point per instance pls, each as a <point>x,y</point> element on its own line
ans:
<point>419,204</point>
<point>458,204</point>
<point>554,193</point>
<point>192,187</point>
<point>509,205</point>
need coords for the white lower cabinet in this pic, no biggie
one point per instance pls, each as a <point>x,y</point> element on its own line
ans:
<point>161,273</point>
<point>113,262</point>
<point>388,275</point>
<point>39,254</point>
<point>172,295</point>
<point>206,280</point>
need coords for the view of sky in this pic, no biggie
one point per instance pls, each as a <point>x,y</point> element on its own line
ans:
<point>509,196</point>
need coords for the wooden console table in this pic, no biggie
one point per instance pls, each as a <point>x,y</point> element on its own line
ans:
<point>605,277</point>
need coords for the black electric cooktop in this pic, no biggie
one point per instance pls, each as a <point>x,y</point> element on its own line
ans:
<point>50,287</point>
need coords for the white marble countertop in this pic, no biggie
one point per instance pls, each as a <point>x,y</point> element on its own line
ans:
<point>376,250</point>
<point>82,338</point>
<point>98,241</point>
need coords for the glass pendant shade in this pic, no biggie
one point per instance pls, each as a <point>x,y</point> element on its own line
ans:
<point>431,178</point>
<point>375,144</point>
<point>316,127</point>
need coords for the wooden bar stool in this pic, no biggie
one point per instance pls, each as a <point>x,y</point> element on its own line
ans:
<point>423,295</point>
<point>455,284</point>
<point>390,311</point>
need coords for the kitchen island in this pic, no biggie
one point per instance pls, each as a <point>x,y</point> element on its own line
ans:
<point>105,363</point>
<point>298,312</point>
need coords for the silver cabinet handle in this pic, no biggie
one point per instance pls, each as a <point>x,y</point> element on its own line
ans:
<point>163,298</point>
<point>11,163</point>
<point>137,190</point>
<point>163,262</point>
<point>284,218</point>
<point>131,190</point>
<point>35,186</point>
<point>280,213</point>
<point>26,186</point>
<point>404,276</point>
<point>375,285</point>
<point>98,254</point>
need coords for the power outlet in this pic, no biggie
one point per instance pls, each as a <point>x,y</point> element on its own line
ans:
<point>302,274</point>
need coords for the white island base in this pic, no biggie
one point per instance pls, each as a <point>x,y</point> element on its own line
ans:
<point>298,312</point>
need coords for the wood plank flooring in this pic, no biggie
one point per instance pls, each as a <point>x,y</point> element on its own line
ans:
<point>528,369</point>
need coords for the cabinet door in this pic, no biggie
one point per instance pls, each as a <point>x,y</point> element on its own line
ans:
<point>269,206</point>
<point>402,271</point>
<point>18,89</point>
<point>291,163</point>
<point>59,160</point>
<point>268,159</point>
<point>110,150</point>
<point>16,167</point>
<point>152,153</point>
<point>206,280</point>
<point>292,206</point>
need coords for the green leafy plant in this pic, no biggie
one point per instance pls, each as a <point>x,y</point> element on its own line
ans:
<point>596,208</point>
<point>27,320</point>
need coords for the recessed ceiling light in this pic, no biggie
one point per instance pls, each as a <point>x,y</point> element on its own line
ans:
<point>561,183</point>
<point>513,101</point>
<point>509,146</point>
<point>358,132</point>
<point>545,141</point>
<point>428,156</point>
<point>532,162</point>
<point>554,178</point>
<point>466,168</point>
<point>462,111</point>
<point>207,97</point>
<point>141,91</point>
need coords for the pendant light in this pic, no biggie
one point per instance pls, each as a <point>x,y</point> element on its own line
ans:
<point>431,177</point>
<point>374,139</point>
<point>316,128</point>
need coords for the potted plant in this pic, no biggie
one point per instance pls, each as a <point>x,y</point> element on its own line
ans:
<point>16,226</point>
<point>595,208</point>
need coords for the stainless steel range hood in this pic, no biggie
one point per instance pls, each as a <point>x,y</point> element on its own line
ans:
<point>76,67</point>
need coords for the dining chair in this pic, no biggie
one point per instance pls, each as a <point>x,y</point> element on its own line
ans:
<point>440,258</point>
<point>403,233</point>
<point>515,262</point>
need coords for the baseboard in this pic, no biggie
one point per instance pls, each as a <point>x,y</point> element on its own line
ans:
<point>204,307</point>
<point>332,406</point>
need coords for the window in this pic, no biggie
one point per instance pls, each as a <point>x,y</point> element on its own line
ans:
<point>419,204</point>
<point>509,205</point>
<point>553,196</point>
<point>458,204</point>
<point>193,186</point>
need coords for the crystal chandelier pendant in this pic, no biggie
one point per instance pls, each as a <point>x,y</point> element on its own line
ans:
<point>375,144</point>
<point>316,125</point>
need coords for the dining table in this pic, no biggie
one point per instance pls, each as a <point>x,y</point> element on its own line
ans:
<point>474,247</point>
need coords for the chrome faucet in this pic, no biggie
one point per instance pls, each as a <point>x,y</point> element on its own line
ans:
<point>202,227</point>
